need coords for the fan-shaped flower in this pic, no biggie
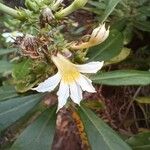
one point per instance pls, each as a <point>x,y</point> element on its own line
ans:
<point>98,36</point>
<point>72,82</point>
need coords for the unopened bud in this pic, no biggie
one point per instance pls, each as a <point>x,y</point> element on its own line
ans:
<point>98,36</point>
<point>46,16</point>
<point>31,5</point>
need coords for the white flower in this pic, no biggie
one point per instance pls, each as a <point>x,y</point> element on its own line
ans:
<point>98,36</point>
<point>72,82</point>
<point>11,36</point>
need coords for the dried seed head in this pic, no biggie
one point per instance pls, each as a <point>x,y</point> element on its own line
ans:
<point>30,46</point>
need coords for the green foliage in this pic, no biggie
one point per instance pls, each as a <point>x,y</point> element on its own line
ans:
<point>129,26</point>
<point>122,77</point>
<point>26,72</point>
<point>5,66</point>
<point>7,92</point>
<point>140,141</point>
<point>142,25</point>
<point>108,49</point>
<point>100,135</point>
<point>143,100</point>
<point>7,51</point>
<point>122,56</point>
<point>93,104</point>
<point>15,108</point>
<point>39,135</point>
<point>109,8</point>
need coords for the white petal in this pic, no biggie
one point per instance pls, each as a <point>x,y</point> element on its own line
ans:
<point>75,92</point>
<point>91,67</point>
<point>63,94</point>
<point>10,39</point>
<point>95,32</point>
<point>49,84</point>
<point>17,34</point>
<point>6,34</point>
<point>105,35</point>
<point>86,84</point>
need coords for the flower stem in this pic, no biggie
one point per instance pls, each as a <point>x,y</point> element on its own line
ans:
<point>10,11</point>
<point>56,5</point>
<point>71,8</point>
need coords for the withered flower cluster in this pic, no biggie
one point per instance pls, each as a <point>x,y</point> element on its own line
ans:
<point>33,47</point>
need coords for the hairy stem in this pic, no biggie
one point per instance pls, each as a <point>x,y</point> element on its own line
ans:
<point>10,11</point>
<point>71,8</point>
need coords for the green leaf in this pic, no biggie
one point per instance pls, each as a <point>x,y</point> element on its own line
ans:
<point>128,33</point>
<point>140,141</point>
<point>39,135</point>
<point>7,92</point>
<point>145,10</point>
<point>143,100</point>
<point>110,7</point>
<point>13,109</point>
<point>23,76</point>
<point>108,49</point>
<point>123,55</point>
<point>5,66</point>
<point>100,135</point>
<point>7,51</point>
<point>122,77</point>
<point>142,25</point>
<point>22,69</point>
<point>93,104</point>
<point>120,24</point>
<point>27,73</point>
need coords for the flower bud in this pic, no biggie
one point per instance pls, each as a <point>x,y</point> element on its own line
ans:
<point>46,16</point>
<point>32,5</point>
<point>98,36</point>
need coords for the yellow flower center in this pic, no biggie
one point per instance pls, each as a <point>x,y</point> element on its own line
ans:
<point>67,69</point>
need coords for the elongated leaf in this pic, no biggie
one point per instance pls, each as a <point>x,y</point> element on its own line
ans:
<point>39,135</point>
<point>143,100</point>
<point>13,109</point>
<point>122,77</point>
<point>5,66</point>
<point>140,141</point>
<point>108,49</point>
<point>110,7</point>
<point>7,51</point>
<point>7,92</point>
<point>100,135</point>
<point>123,55</point>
